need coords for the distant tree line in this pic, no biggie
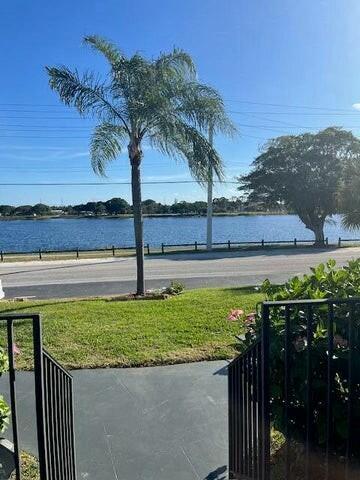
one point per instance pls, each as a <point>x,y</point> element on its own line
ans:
<point>39,209</point>
<point>119,206</point>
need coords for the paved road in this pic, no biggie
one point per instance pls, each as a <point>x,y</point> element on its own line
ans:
<point>156,423</point>
<point>79,278</point>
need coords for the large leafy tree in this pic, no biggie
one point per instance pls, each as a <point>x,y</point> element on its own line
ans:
<point>158,101</point>
<point>303,172</point>
<point>349,195</point>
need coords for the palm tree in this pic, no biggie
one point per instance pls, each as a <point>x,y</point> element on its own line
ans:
<point>158,101</point>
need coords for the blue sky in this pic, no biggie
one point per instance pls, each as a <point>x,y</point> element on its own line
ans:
<point>269,60</point>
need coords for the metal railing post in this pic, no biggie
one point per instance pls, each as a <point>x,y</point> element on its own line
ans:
<point>265,392</point>
<point>162,248</point>
<point>13,403</point>
<point>39,397</point>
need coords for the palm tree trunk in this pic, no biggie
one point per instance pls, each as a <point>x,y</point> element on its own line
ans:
<point>138,225</point>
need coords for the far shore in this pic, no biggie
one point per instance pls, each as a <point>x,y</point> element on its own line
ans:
<point>148,215</point>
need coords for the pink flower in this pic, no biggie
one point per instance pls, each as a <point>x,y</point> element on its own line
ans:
<point>339,341</point>
<point>250,319</point>
<point>16,349</point>
<point>299,343</point>
<point>234,315</point>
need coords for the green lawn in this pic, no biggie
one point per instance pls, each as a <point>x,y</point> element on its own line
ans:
<point>101,333</point>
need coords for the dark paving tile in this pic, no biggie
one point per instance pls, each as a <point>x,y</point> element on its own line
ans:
<point>142,424</point>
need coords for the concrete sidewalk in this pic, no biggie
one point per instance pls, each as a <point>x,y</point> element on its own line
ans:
<point>155,423</point>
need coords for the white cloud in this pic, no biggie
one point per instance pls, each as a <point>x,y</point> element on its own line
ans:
<point>356,106</point>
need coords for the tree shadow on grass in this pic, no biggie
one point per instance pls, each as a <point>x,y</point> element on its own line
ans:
<point>45,304</point>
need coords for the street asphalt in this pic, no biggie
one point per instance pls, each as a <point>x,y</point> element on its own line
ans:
<point>83,278</point>
<point>155,423</point>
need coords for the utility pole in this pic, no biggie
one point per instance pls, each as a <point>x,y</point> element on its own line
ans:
<point>210,197</point>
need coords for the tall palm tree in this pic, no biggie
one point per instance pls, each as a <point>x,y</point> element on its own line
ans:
<point>158,101</point>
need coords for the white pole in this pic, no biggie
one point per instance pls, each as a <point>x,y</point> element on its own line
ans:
<point>2,294</point>
<point>209,199</point>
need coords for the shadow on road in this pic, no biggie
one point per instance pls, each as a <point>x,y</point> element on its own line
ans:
<point>218,474</point>
<point>214,255</point>
<point>47,269</point>
<point>223,371</point>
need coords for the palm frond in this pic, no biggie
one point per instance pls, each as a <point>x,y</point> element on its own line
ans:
<point>105,145</point>
<point>86,93</point>
<point>181,141</point>
<point>177,61</point>
<point>110,51</point>
<point>351,220</point>
<point>203,106</point>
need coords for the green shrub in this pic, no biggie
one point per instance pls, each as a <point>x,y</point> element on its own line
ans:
<point>175,288</point>
<point>325,281</point>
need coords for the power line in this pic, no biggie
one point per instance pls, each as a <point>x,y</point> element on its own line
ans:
<point>87,184</point>
<point>16,117</point>
<point>44,138</point>
<point>289,106</point>
<point>11,125</point>
<point>11,110</point>
<point>34,128</point>
<point>13,132</point>
<point>247,102</point>
<point>297,113</point>
<point>30,113</point>
<point>33,105</point>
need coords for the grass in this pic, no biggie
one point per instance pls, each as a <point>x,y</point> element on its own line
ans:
<point>101,333</point>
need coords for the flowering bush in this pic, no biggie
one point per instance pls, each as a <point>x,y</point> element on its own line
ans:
<point>325,281</point>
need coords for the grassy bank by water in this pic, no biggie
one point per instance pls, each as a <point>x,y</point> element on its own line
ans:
<point>100,333</point>
<point>173,249</point>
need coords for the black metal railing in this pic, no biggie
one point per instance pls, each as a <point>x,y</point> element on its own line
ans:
<point>300,385</point>
<point>53,404</point>
<point>245,427</point>
<point>59,421</point>
<point>115,250</point>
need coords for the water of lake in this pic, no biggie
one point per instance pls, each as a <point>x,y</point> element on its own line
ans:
<point>62,233</point>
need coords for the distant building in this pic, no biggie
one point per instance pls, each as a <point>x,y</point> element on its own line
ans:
<point>57,212</point>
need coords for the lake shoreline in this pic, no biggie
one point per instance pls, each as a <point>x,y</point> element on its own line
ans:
<point>145,215</point>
